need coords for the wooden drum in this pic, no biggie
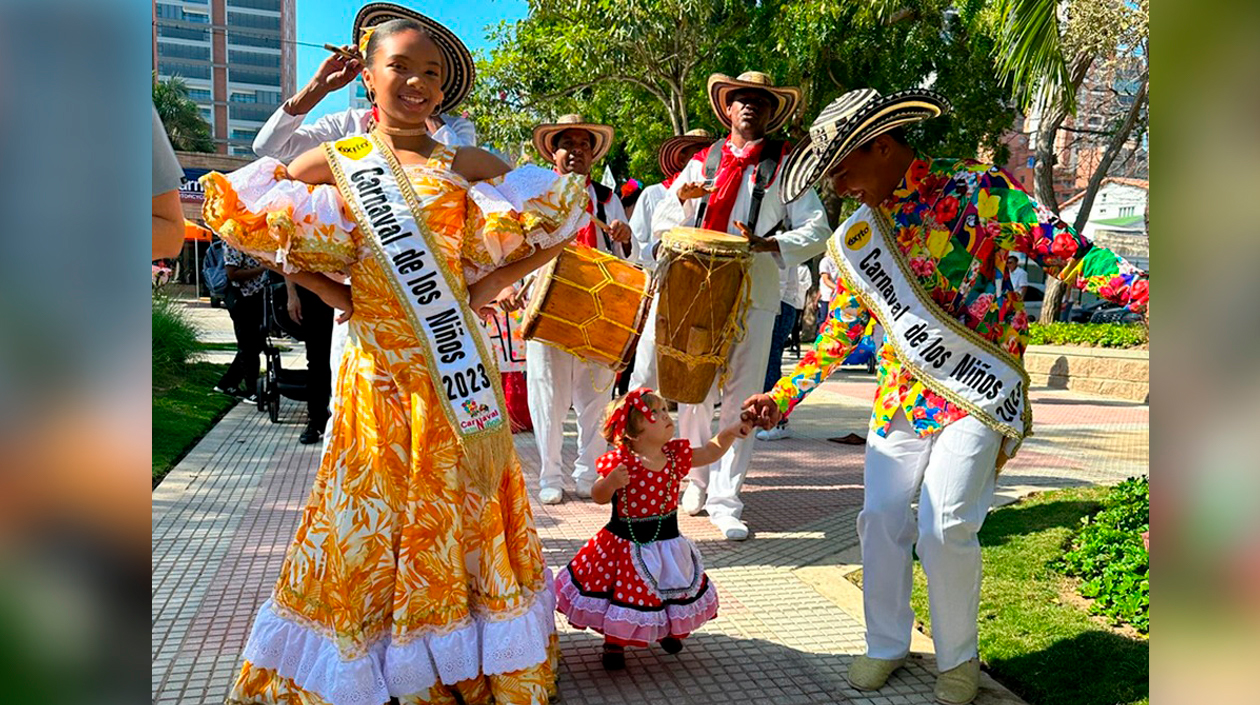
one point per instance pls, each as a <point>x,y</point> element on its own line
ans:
<point>704,290</point>
<point>589,304</point>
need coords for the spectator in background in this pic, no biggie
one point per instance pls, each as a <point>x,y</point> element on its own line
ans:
<point>1016,279</point>
<point>244,296</point>
<point>168,216</point>
<point>827,272</point>
<point>315,318</point>
<point>804,280</point>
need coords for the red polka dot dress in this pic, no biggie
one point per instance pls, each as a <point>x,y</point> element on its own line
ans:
<point>638,580</point>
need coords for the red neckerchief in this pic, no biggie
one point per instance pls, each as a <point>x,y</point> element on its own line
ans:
<point>670,181</point>
<point>730,174</point>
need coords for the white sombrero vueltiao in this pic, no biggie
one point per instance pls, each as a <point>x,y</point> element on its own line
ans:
<point>848,122</point>
<point>786,97</point>
<point>670,155</point>
<point>457,79</point>
<point>545,136</point>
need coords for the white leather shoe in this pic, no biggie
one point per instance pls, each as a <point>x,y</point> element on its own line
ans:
<point>584,489</point>
<point>692,499</point>
<point>733,529</point>
<point>551,495</point>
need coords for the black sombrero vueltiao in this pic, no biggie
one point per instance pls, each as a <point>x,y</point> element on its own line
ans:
<point>457,80</point>
<point>847,123</point>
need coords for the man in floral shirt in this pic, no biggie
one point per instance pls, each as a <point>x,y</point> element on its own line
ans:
<point>955,222</point>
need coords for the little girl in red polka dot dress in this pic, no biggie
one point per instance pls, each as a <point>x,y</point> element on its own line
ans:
<point>639,581</point>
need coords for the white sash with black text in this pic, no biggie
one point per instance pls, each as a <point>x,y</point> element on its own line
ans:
<point>942,353</point>
<point>385,207</point>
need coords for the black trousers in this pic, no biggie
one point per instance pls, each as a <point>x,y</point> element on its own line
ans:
<point>317,325</point>
<point>247,320</point>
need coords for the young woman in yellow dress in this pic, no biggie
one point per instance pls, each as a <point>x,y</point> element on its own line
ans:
<point>416,573</point>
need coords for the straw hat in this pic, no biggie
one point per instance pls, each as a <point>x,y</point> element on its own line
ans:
<point>457,79</point>
<point>545,136</point>
<point>848,122</point>
<point>786,97</point>
<point>670,155</point>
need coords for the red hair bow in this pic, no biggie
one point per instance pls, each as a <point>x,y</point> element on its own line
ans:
<point>617,422</point>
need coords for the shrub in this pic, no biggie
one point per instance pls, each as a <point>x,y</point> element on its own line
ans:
<point>1110,557</point>
<point>1099,335</point>
<point>174,339</point>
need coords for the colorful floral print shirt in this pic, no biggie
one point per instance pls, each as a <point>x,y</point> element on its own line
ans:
<point>956,221</point>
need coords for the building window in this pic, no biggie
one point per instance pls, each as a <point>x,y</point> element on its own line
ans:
<point>269,5</point>
<point>201,95</point>
<point>253,40</point>
<point>262,78</point>
<point>254,58</point>
<point>196,17</point>
<point>255,113</point>
<point>172,32</point>
<point>184,51</point>
<point>244,19</point>
<point>1127,211</point>
<point>183,70</point>
<point>248,135</point>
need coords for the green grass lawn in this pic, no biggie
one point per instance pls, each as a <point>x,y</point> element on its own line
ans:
<point>185,407</point>
<point>1033,640</point>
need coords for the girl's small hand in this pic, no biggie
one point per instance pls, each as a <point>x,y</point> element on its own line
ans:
<point>619,477</point>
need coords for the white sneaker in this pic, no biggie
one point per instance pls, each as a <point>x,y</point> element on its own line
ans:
<point>777,433</point>
<point>692,499</point>
<point>551,495</point>
<point>733,529</point>
<point>584,489</point>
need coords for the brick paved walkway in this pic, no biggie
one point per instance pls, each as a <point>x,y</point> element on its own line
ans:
<point>789,623</point>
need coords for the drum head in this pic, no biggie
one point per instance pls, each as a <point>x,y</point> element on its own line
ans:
<point>699,238</point>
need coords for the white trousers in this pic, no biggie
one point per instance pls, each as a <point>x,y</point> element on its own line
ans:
<point>556,381</point>
<point>747,373</point>
<point>644,372</point>
<point>952,474</point>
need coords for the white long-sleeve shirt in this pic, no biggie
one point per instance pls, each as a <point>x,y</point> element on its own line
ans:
<point>284,137</point>
<point>641,224</point>
<point>613,210</point>
<point>807,237</point>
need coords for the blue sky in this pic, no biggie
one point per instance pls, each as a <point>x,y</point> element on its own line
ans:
<point>320,21</point>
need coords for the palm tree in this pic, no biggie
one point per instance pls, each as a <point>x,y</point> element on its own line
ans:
<point>185,127</point>
<point>1045,74</point>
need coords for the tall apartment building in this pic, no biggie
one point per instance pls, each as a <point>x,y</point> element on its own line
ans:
<point>237,57</point>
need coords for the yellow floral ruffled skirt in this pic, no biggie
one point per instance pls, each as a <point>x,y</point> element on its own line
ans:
<point>403,581</point>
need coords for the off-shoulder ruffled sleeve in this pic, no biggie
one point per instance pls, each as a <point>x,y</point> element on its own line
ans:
<point>259,210</point>
<point>527,209</point>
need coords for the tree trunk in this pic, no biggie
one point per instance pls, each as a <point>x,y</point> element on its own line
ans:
<point>1043,178</point>
<point>1114,146</point>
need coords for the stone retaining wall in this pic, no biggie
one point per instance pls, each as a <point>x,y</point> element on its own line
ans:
<point>1120,374</point>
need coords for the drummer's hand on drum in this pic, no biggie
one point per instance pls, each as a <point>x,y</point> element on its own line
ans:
<point>694,189</point>
<point>755,243</point>
<point>509,299</point>
<point>619,231</point>
<point>761,410</point>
